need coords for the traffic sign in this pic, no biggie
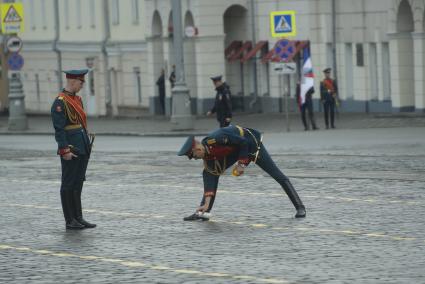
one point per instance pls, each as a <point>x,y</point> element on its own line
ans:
<point>190,31</point>
<point>12,18</point>
<point>15,62</point>
<point>282,23</point>
<point>14,44</point>
<point>285,67</point>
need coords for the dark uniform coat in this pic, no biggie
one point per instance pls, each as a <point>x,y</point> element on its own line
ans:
<point>222,105</point>
<point>69,122</point>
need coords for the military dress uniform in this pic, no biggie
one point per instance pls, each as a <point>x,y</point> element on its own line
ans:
<point>223,103</point>
<point>234,144</point>
<point>70,124</point>
<point>328,91</point>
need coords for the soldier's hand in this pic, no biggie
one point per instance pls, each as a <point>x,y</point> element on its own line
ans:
<point>238,170</point>
<point>228,119</point>
<point>68,156</point>
<point>209,113</point>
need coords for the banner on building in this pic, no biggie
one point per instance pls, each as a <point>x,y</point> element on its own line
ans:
<point>12,18</point>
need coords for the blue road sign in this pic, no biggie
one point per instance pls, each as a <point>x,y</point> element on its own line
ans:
<point>15,62</point>
<point>282,23</point>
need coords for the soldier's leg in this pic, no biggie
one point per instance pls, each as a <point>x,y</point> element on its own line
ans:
<point>303,118</point>
<point>268,165</point>
<point>332,112</point>
<point>69,172</point>
<point>78,187</point>
<point>326,113</point>
<point>310,114</point>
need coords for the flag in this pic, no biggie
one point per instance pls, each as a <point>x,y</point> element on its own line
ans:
<point>307,76</point>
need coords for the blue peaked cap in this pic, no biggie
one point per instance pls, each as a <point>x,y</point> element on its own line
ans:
<point>187,147</point>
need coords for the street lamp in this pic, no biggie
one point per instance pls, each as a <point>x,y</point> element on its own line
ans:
<point>181,113</point>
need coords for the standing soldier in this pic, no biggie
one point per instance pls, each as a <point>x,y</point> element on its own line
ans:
<point>328,96</point>
<point>223,103</point>
<point>74,147</point>
<point>225,147</point>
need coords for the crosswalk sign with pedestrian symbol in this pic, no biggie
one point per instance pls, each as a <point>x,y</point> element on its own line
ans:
<point>12,18</point>
<point>282,23</point>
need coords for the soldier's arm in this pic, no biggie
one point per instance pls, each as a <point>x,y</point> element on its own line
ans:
<point>322,91</point>
<point>214,108</point>
<point>59,123</point>
<point>228,102</point>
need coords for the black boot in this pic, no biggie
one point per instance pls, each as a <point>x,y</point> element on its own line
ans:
<point>68,207</point>
<point>79,211</point>
<point>295,199</point>
<point>65,208</point>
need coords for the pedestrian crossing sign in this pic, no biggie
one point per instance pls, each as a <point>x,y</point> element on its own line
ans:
<point>282,23</point>
<point>12,18</point>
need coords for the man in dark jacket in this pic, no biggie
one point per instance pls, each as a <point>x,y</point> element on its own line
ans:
<point>223,102</point>
<point>74,147</point>
<point>228,146</point>
<point>161,90</point>
<point>307,106</point>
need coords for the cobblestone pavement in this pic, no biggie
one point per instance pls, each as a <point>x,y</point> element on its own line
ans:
<point>365,219</point>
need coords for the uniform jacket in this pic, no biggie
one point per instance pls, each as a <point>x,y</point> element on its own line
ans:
<point>328,90</point>
<point>229,144</point>
<point>64,116</point>
<point>223,103</point>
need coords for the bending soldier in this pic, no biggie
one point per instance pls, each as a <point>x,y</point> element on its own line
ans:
<point>74,147</point>
<point>225,147</point>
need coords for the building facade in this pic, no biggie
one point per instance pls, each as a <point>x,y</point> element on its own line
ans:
<point>380,46</point>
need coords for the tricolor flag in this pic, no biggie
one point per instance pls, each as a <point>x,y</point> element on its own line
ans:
<point>307,76</point>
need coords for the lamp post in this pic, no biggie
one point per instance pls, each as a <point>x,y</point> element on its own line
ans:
<point>181,116</point>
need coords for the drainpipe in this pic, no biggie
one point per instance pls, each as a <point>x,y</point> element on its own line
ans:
<point>55,44</point>
<point>334,65</point>
<point>254,60</point>
<point>108,99</point>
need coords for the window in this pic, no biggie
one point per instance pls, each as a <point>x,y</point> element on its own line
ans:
<point>115,10</point>
<point>66,15</point>
<point>37,86</point>
<point>135,11</point>
<point>32,13</point>
<point>78,14</point>
<point>359,55</point>
<point>92,13</point>
<point>138,89</point>
<point>43,14</point>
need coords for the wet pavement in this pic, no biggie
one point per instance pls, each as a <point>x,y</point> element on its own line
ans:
<point>364,190</point>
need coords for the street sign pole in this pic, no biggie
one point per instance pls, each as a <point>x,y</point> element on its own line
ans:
<point>12,21</point>
<point>17,116</point>
<point>287,94</point>
<point>284,71</point>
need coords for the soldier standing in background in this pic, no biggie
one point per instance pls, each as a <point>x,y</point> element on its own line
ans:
<point>328,96</point>
<point>223,102</point>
